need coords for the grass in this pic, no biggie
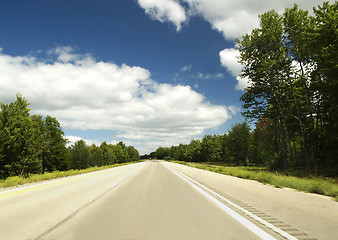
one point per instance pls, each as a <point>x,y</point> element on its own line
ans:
<point>323,186</point>
<point>16,180</point>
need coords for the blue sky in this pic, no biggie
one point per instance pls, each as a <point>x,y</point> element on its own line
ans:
<point>147,72</point>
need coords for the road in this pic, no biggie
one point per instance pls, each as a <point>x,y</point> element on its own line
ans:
<point>157,200</point>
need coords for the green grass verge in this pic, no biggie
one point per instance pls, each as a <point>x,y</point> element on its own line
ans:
<point>327,187</point>
<point>16,180</point>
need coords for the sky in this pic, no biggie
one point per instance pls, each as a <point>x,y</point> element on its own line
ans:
<point>149,73</point>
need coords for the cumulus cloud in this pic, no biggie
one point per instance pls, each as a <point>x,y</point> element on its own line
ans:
<point>242,83</point>
<point>85,94</point>
<point>72,139</point>
<point>229,59</point>
<point>165,11</point>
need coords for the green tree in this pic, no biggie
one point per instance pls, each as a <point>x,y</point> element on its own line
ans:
<point>238,143</point>
<point>108,156</point>
<point>120,154</point>
<point>160,153</point>
<point>79,155</point>
<point>263,54</point>
<point>133,153</point>
<point>323,46</point>
<point>20,149</point>
<point>207,148</point>
<point>95,156</point>
<point>55,158</point>
<point>265,144</point>
<point>195,151</point>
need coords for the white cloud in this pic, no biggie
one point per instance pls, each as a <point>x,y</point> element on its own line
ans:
<point>208,76</point>
<point>85,94</point>
<point>165,11</point>
<point>73,139</point>
<point>234,110</point>
<point>186,68</point>
<point>242,83</point>
<point>229,59</point>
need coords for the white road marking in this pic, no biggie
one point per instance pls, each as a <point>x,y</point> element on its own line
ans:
<point>117,183</point>
<point>249,225</point>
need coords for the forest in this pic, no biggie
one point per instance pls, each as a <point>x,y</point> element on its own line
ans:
<point>31,144</point>
<point>292,99</point>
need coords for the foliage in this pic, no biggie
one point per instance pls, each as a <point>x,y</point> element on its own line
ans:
<point>238,143</point>
<point>19,140</point>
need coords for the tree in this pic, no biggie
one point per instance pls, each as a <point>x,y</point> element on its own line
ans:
<point>238,143</point>
<point>79,155</point>
<point>52,144</point>
<point>265,144</point>
<point>263,54</point>
<point>19,145</point>
<point>133,153</point>
<point>95,156</point>
<point>108,156</point>
<point>209,149</point>
<point>160,153</point>
<point>195,151</point>
<point>120,153</point>
<point>323,46</point>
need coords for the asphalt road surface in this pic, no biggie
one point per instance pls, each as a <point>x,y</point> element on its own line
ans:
<point>159,200</point>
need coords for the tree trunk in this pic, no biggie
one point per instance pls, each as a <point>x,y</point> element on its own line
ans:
<point>310,111</point>
<point>299,116</point>
<point>285,130</point>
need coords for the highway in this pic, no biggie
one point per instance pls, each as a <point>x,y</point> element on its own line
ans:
<point>160,200</point>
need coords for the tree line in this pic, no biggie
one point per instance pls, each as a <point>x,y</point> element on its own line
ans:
<point>233,148</point>
<point>291,63</point>
<point>35,144</point>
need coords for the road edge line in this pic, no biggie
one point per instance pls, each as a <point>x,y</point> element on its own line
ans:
<point>246,212</point>
<point>245,222</point>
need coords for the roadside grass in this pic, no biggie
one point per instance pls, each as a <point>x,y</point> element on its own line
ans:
<point>323,186</point>
<point>16,180</point>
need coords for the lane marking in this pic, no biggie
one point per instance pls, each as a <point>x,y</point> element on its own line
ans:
<point>117,183</point>
<point>246,212</point>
